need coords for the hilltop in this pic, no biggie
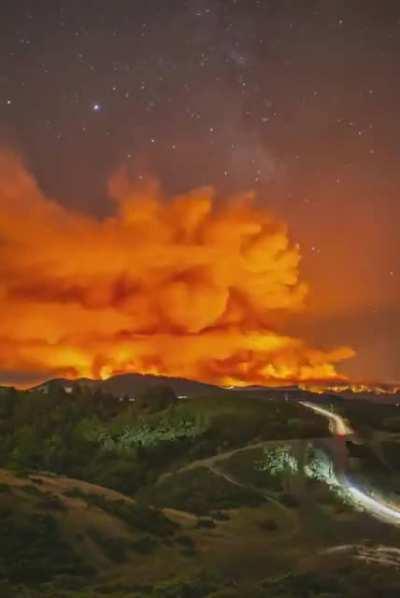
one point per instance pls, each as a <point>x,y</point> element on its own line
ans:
<point>132,384</point>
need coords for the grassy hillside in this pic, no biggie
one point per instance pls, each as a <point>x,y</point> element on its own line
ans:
<point>214,496</point>
<point>94,436</point>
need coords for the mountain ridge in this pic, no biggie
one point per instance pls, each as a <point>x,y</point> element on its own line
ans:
<point>131,384</point>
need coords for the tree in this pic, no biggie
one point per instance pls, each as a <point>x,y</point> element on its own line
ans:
<point>278,461</point>
<point>27,448</point>
<point>156,398</point>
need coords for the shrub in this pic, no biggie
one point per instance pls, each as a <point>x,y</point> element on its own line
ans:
<point>33,551</point>
<point>220,516</point>
<point>201,491</point>
<point>206,523</point>
<point>137,516</point>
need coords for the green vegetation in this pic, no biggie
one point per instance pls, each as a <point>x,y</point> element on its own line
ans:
<point>366,416</point>
<point>391,451</point>
<point>126,446</point>
<point>278,461</point>
<point>200,491</point>
<point>228,496</point>
<point>33,551</point>
<point>137,516</point>
<point>247,466</point>
<point>171,427</point>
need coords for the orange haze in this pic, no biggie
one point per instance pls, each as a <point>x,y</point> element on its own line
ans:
<point>184,287</point>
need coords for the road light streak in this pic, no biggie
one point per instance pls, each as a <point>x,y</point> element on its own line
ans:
<point>375,507</point>
<point>338,424</point>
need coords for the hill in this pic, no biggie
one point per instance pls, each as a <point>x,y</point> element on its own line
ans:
<point>132,384</point>
<point>223,495</point>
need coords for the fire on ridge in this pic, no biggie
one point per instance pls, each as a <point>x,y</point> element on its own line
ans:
<point>341,387</point>
<point>185,287</point>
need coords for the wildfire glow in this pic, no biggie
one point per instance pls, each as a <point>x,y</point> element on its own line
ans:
<point>181,287</point>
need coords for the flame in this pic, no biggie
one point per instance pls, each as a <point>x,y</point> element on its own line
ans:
<point>185,287</point>
<point>357,388</point>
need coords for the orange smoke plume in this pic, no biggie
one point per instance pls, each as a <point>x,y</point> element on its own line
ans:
<point>182,287</point>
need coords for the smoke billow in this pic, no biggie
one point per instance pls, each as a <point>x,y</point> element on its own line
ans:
<point>183,287</point>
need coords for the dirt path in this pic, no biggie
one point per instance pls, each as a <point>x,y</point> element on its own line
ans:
<point>211,461</point>
<point>267,497</point>
<point>207,461</point>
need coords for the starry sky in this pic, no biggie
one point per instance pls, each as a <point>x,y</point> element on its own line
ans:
<point>296,100</point>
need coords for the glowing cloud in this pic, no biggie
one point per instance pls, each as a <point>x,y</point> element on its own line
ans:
<point>184,287</point>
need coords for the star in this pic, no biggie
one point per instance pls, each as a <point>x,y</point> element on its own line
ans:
<point>230,94</point>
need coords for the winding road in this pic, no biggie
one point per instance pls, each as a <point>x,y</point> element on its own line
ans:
<point>375,506</point>
<point>337,424</point>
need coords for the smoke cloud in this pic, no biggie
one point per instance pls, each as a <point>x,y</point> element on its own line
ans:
<point>182,286</point>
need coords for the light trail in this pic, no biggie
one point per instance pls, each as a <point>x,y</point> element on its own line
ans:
<point>374,506</point>
<point>381,555</point>
<point>338,424</point>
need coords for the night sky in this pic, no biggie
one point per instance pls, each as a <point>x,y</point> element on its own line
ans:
<point>296,100</point>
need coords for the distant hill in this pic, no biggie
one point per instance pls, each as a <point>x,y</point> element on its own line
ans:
<point>5,389</point>
<point>133,384</point>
